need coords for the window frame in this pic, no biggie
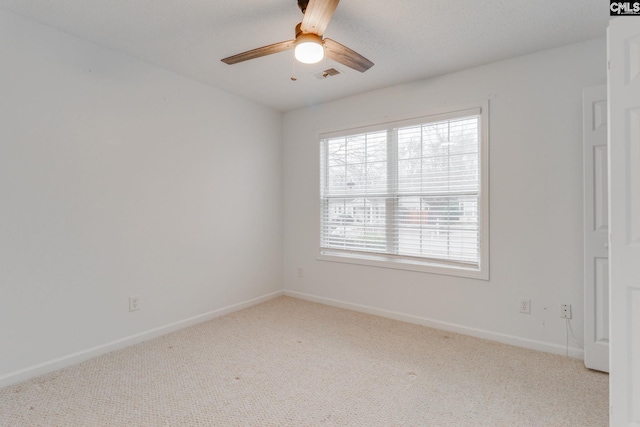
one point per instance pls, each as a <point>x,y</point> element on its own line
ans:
<point>402,262</point>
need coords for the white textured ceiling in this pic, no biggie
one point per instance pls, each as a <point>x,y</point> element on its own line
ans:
<point>406,39</point>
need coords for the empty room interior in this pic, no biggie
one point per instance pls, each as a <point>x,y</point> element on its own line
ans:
<point>197,227</point>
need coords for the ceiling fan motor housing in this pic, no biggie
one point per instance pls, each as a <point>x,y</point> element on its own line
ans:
<point>300,33</point>
<point>302,4</point>
<point>308,38</point>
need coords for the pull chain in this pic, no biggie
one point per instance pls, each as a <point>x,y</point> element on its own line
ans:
<point>293,68</point>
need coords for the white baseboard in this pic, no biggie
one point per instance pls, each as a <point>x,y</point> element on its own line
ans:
<point>574,352</point>
<point>84,355</point>
<point>81,356</point>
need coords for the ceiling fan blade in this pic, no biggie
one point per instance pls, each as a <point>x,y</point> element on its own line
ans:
<point>346,56</point>
<point>317,16</point>
<point>259,52</point>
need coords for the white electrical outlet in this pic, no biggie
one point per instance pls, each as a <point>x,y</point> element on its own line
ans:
<point>134,304</point>
<point>525,306</point>
<point>300,272</point>
<point>565,311</point>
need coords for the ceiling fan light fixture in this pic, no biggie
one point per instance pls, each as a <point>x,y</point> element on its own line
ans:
<point>309,44</point>
<point>309,49</point>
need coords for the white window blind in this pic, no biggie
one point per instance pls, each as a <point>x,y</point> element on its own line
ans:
<point>408,190</point>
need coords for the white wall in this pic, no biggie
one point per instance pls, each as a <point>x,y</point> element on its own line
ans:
<point>535,201</point>
<point>116,179</point>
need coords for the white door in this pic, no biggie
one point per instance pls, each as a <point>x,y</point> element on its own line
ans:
<point>596,229</point>
<point>623,45</point>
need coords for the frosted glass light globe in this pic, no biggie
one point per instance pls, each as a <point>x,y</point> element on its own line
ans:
<point>309,49</point>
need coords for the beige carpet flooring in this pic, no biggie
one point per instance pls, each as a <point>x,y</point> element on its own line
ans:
<point>289,362</point>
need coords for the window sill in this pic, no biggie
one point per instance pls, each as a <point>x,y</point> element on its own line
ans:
<point>382,261</point>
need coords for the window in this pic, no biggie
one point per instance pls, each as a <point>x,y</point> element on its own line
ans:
<point>410,194</point>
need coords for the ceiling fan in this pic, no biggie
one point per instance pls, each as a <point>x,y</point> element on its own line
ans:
<point>310,47</point>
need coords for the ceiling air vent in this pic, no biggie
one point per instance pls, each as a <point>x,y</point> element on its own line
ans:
<point>329,72</point>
